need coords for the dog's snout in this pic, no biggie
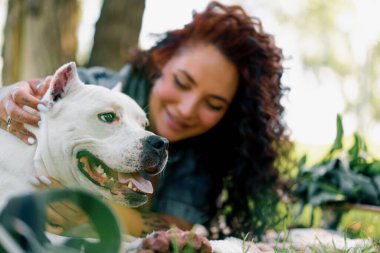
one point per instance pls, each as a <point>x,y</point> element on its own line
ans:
<point>160,144</point>
<point>155,154</point>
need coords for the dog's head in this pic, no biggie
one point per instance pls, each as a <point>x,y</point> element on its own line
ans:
<point>94,137</point>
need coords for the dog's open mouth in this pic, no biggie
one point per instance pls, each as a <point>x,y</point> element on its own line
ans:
<point>117,183</point>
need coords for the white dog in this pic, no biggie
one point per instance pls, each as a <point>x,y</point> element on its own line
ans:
<point>89,137</point>
<point>94,138</point>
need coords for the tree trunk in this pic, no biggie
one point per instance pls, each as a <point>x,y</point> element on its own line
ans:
<point>117,30</point>
<point>39,36</point>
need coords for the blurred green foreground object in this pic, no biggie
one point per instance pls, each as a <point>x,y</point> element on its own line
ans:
<point>22,224</point>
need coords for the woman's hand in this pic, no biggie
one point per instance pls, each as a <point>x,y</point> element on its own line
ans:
<point>62,216</point>
<point>19,105</point>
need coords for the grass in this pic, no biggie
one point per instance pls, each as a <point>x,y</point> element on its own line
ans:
<point>355,224</point>
<point>361,224</point>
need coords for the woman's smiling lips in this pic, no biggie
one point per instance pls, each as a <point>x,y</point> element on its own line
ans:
<point>174,123</point>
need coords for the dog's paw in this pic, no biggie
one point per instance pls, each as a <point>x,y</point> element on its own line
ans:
<point>174,240</point>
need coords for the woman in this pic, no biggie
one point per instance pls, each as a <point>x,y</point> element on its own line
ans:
<point>213,89</point>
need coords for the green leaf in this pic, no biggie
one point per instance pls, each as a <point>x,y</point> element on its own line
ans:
<point>359,165</point>
<point>338,143</point>
<point>321,170</point>
<point>330,188</point>
<point>326,197</point>
<point>354,150</point>
<point>347,185</point>
<point>368,192</point>
<point>376,182</point>
<point>302,161</point>
<point>374,168</point>
<point>312,189</point>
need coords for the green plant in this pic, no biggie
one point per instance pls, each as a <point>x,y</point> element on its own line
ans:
<point>23,219</point>
<point>344,175</point>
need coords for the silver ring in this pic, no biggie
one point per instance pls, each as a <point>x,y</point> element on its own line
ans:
<point>9,122</point>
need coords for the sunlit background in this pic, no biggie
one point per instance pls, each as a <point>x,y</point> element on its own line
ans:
<point>332,50</point>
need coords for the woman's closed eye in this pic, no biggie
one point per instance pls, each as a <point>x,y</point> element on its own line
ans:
<point>214,106</point>
<point>182,85</point>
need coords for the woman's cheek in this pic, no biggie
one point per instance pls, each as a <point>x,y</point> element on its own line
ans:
<point>159,90</point>
<point>169,92</point>
<point>210,118</point>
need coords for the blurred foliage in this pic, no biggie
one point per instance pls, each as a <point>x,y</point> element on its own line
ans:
<point>23,219</point>
<point>343,175</point>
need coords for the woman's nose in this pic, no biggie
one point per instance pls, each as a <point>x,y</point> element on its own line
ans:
<point>188,107</point>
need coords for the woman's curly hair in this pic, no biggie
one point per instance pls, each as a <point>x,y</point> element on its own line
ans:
<point>251,140</point>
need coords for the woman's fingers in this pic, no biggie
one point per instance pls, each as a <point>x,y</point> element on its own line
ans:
<point>55,218</point>
<point>54,228</point>
<point>42,87</point>
<point>21,115</point>
<point>26,93</point>
<point>21,105</point>
<point>15,117</point>
<point>21,132</point>
<point>63,216</point>
<point>15,127</point>
<point>72,215</point>
<point>44,182</point>
<point>3,117</point>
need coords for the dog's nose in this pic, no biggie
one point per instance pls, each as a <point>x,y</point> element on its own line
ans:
<point>158,143</point>
<point>154,156</point>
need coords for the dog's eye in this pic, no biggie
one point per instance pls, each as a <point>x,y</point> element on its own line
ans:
<point>107,117</point>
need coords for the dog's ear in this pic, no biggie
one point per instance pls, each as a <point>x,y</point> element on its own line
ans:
<point>117,87</point>
<point>64,80</point>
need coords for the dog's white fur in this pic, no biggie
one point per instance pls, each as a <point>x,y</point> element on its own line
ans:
<point>72,123</point>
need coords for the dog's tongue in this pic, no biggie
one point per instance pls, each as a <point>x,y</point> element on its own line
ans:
<point>137,180</point>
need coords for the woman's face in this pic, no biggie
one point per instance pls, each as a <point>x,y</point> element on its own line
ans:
<point>193,93</point>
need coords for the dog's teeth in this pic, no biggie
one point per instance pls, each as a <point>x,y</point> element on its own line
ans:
<point>104,175</point>
<point>130,185</point>
<point>112,179</point>
<point>135,189</point>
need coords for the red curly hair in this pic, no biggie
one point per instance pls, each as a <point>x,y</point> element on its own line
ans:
<point>256,134</point>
